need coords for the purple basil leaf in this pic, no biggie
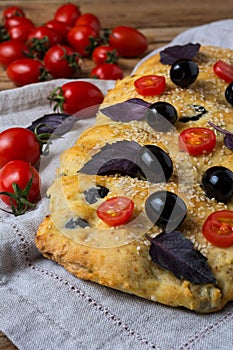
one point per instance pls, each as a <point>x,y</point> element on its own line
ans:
<point>139,101</point>
<point>132,109</point>
<point>228,141</point>
<point>120,166</point>
<point>173,53</point>
<point>119,157</point>
<point>174,252</point>
<point>228,136</point>
<point>54,123</point>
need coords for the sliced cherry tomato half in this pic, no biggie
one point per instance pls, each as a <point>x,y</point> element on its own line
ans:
<point>218,228</point>
<point>224,71</point>
<point>116,210</point>
<point>197,141</point>
<point>150,85</point>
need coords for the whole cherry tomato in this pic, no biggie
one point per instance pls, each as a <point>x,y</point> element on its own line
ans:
<point>77,97</point>
<point>17,21</point>
<point>82,39</point>
<point>218,228</point>
<point>150,85</point>
<point>105,54</point>
<point>128,41</point>
<point>19,185</point>
<point>61,61</point>
<point>224,71</point>
<point>13,11</point>
<point>197,141</point>
<point>11,51</point>
<point>26,71</point>
<point>67,13</point>
<point>61,28</point>
<point>107,71</point>
<point>116,210</point>
<point>20,32</point>
<point>18,143</point>
<point>41,39</point>
<point>90,20</point>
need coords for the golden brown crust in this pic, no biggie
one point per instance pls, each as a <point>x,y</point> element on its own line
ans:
<point>124,269</point>
<point>119,257</point>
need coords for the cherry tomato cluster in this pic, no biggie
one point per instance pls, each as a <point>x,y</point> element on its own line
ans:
<point>21,148</point>
<point>19,179</point>
<point>57,48</point>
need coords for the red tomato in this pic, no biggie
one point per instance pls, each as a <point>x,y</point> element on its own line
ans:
<point>20,173</point>
<point>43,32</point>
<point>80,39</point>
<point>224,71</point>
<point>150,85</point>
<point>90,20</point>
<point>67,13</point>
<point>17,21</point>
<point>11,50</point>
<point>78,97</point>
<point>26,71</point>
<point>41,39</point>
<point>18,143</point>
<point>116,210</point>
<point>218,228</point>
<point>105,54</point>
<point>61,28</point>
<point>61,61</point>
<point>197,141</point>
<point>13,11</point>
<point>20,32</point>
<point>107,71</point>
<point>129,42</point>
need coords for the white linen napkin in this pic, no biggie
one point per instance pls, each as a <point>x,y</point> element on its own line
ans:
<point>42,306</point>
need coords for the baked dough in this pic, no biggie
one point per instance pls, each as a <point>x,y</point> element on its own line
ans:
<point>118,257</point>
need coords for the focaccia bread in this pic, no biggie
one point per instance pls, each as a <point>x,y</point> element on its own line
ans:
<point>171,263</point>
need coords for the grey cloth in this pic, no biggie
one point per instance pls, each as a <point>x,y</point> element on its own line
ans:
<point>42,306</point>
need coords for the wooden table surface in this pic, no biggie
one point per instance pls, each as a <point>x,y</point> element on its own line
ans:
<point>159,20</point>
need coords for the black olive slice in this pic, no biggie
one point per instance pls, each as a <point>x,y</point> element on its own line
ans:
<point>76,222</point>
<point>93,194</point>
